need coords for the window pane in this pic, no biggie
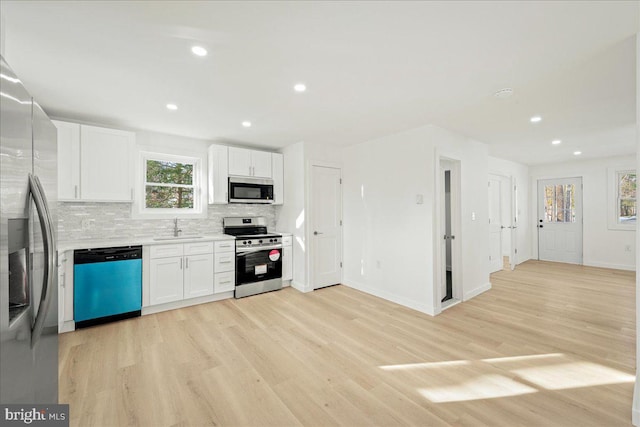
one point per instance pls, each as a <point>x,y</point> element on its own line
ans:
<point>169,197</point>
<point>559,203</point>
<point>627,185</point>
<point>164,172</point>
<point>627,213</point>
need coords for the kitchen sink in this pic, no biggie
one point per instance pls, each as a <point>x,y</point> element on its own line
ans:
<point>178,238</point>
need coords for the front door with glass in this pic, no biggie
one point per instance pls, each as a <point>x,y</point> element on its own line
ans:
<point>560,220</point>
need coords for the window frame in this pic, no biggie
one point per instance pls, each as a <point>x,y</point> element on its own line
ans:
<point>614,199</point>
<point>199,209</point>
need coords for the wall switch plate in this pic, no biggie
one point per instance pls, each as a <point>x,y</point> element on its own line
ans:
<point>419,199</point>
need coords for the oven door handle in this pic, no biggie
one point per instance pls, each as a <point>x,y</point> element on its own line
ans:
<point>242,252</point>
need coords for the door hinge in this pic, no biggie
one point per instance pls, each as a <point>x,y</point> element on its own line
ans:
<point>340,264</point>
<point>340,222</point>
<point>340,180</point>
<point>489,257</point>
<point>516,250</point>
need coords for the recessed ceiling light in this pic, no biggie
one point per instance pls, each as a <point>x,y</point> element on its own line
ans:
<point>199,51</point>
<point>556,142</point>
<point>504,93</point>
<point>535,119</point>
<point>246,124</point>
<point>577,153</point>
<point>172,107</point>
<point>300,87</point>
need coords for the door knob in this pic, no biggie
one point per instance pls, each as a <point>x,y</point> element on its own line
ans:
<point>315,233</point>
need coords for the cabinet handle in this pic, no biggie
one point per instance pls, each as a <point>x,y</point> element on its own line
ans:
<point>180,263</point>
<point>225,282</point>
<point>187,262</point>
<point>75,192</point>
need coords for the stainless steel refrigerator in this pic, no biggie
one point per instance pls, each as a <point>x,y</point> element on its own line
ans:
<point>28,253</point>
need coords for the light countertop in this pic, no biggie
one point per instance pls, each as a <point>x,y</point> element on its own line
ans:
<point>137,241</point>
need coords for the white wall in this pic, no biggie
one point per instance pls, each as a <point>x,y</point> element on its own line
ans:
<point>602,247</point>
<point>635,412</point>
<point>521,174</point>
<point>290,217</point>
<point>388,237</point>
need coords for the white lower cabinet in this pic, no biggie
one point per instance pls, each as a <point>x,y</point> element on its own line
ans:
<point>287,258</point>
<point>179,272</point>
<point>174,276</point>
<point>224,266</point>
<point>167,280</point>
<point>198,275</point>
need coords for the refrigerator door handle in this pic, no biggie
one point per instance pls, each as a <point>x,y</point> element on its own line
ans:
<point>48,237</point>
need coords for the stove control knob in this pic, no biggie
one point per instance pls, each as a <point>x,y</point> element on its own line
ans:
<point>259,241</point>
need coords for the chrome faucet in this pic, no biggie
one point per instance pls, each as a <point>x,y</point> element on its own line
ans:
<point>176,230</point>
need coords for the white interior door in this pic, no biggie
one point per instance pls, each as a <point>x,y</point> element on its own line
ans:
<point>513,223</point>
<point>560,220</point>
<point>495,224</point>
<point>444,232</point>
<point>326,230</point>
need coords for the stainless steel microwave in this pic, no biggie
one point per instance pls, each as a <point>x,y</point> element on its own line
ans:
<point>250,190</point>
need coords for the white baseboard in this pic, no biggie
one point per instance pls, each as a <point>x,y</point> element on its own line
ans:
<point>300,287</point>
<point>423,308</point>
<point>609,265</point>
<point>475,292</point>
<point>67,326</point>
<point>635,408</point>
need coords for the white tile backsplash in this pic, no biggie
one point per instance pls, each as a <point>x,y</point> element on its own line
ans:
<point>101,221</point>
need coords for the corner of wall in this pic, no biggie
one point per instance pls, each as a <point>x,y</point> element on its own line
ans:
<point>475,292</point>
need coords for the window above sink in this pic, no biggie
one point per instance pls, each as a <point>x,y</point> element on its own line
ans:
<point>169,185</point>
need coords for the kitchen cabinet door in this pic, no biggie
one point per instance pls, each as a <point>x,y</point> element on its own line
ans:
<point>165,280</point>
<point>224,282</point>
<point>287,263</point>
<point>277,164</point>
<point>218,174</point>
<point>198,275</point>
<point>239,161</point>
<point>68,160</point>
<point>261,164</point>
<point>225,261</point>
<point>105,158</point>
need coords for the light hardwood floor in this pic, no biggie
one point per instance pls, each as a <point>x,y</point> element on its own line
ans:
<point>549,345</point>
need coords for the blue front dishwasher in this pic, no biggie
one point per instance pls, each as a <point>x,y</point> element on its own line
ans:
<point>107,284</point>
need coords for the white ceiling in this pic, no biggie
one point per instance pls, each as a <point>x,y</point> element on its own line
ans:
<point>371,68</point>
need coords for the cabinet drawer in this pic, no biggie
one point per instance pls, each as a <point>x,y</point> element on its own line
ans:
<point>287,240</point>
<point>224,282</point>
<point>198,248</point>
<point>225,246</point>
<point>165,251</point>
<point>224,262</point>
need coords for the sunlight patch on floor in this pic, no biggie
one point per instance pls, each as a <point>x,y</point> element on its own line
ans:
<point>573,375</point>
<point>461,380</point>
<point>482,387</point>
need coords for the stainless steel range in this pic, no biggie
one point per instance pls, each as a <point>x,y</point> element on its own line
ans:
<point>258,256</point>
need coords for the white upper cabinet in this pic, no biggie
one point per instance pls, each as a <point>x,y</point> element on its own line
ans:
<point>68,160</point>
<point>261,162</point>
<point>94,164</point>
<point>278,178</point>
<point>105,164</point>
<point>245,162</point>
<point>218,174</point>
